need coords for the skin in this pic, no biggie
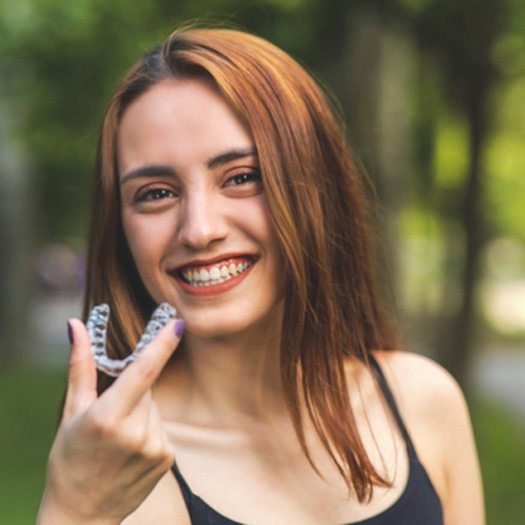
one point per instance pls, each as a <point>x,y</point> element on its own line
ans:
<point>118,436</point>
<point>216,405</point>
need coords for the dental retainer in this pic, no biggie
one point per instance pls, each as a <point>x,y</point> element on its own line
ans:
<point>97,324</point>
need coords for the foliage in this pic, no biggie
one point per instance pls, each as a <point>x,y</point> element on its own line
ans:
<point>59,62</point>
<point>62,59</point>
<point>432,92</point>
<point>500,437</point>
<point>29,409</point>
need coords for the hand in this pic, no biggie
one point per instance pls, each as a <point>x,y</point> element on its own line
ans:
<point>110,451</point>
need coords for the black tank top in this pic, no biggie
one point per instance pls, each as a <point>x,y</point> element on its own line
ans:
<point>418,504</point>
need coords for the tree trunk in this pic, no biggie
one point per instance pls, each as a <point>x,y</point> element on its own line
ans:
<point>380,73</point>
<point>458,354</point>
<point>15,233</point>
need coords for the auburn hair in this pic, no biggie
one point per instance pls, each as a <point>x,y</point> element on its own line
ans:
<point>316,197</point>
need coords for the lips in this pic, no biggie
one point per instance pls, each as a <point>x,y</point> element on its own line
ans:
<point>214,276</point>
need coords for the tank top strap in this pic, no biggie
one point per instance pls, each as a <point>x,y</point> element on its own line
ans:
<point>187,494</point>
<point>389,397</point>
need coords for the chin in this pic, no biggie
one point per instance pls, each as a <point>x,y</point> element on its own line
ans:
<point>204,329</point>
<point>235,322</point>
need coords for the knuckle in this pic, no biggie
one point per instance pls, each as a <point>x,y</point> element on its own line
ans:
<point>153,453</point>
<point>134,441</point>
<point>100,424</point>
<point>168,461</point>
<point>157,453</point>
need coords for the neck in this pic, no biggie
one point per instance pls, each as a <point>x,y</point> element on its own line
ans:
<point>227,378</point>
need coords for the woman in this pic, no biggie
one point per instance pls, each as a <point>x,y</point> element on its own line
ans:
<point>226,189</point>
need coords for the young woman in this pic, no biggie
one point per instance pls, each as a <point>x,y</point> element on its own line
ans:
<point>226,189</point>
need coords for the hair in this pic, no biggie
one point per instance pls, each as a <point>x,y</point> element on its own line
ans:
<point>333,306</point>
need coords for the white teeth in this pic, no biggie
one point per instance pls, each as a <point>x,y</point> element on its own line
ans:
<point>215,275</point>
<point>232,269</point>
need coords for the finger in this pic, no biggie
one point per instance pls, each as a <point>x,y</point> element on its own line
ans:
<point>82,375</point>
<point>141,374</point>
<point>158,447</point>
<point>141,412</point>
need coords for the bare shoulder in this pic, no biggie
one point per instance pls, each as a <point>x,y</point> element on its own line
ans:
<point>435,412</point>
<point>421,383</point>
<point>431,404</point>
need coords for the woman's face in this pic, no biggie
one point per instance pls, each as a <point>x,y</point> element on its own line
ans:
<point>193,209</point>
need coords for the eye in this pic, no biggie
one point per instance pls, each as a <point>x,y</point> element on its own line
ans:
<point>245,177</point>
<point>154,194</point>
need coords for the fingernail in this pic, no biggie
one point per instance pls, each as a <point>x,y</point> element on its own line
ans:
<point>179,327</point>
<point>70,333</point>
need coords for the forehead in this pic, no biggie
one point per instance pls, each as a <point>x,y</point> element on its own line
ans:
<point>178,122</point>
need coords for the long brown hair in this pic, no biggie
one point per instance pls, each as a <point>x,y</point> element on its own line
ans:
<point>333,308</point>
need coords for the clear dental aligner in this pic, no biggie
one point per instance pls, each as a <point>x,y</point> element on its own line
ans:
<point>97,327</point>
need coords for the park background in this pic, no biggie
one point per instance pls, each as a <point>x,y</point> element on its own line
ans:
<point>433,93</point>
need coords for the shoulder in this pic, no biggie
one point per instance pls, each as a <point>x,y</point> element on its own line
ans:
<point>435,412</point>
<point>418,380</point>
<point>430,400</point>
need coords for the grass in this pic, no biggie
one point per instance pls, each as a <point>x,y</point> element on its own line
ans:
<point>501,445</point>
<point>29,400</point>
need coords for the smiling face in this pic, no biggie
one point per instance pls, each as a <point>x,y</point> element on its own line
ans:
<point>193,209</point>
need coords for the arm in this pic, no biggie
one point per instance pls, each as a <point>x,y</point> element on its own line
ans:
<point>463,497</point>
<point>435,412</point>
<point>110,451</point>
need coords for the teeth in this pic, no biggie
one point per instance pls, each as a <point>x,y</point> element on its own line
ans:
<point>215,275</point>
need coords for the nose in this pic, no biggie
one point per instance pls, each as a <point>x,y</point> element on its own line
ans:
<point>202,221</point>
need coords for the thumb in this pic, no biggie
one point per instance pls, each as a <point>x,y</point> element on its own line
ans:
<point>82,375</point>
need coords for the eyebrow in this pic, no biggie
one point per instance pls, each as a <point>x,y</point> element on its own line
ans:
<point>148,171</point>
<point>228,156</point>
<point>167,171</point>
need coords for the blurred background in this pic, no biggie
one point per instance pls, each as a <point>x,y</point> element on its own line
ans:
<point>433,94</point>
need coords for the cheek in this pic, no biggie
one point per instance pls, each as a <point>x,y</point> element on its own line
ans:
<point>268,231</point>
<point>256,220</point>
<point>146,240</point>
<point>254,214</point>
